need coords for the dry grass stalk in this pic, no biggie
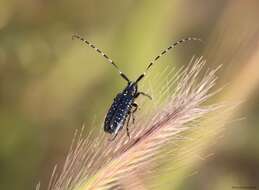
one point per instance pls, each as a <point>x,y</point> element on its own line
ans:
<point>95,163</point>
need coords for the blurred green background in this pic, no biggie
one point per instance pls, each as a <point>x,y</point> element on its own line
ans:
<point>50,85</point>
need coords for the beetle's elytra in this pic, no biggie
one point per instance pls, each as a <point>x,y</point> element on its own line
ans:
<point>124,105</point>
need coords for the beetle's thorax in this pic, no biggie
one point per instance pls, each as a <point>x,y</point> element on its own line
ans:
<point>131,89</point>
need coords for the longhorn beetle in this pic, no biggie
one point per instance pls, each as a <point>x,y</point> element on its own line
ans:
<point>124,106</point>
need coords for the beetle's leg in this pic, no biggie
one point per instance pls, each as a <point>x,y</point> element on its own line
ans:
<point>127,126</point>
<point>128,134</point>
<point>133,118</point>
<point>135,109</point>
<point>131,113</point>
<point>144,94</point>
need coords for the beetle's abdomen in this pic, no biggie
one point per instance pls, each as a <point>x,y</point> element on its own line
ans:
<point>118,113</point>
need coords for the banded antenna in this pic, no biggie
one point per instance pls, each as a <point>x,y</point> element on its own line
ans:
<point>164,53</point>
<point>103,54</point>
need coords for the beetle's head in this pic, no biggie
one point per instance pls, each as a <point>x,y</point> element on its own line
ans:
<point>132,88</point>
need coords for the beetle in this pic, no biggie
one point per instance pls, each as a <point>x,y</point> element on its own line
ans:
<point>124,105</point>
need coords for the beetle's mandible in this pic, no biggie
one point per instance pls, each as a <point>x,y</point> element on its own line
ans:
<point>124,105</point>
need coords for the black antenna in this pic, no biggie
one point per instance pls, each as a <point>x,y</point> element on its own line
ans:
<point>164,53</point>
<point>103,54</point>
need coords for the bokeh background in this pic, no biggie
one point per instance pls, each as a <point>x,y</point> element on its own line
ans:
<point>50,85</point>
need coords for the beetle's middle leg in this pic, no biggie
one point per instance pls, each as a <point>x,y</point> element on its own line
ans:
<point>127,126</point>
<point>133,112</point>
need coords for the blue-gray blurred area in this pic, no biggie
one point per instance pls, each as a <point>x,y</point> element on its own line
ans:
<point>50,84</point>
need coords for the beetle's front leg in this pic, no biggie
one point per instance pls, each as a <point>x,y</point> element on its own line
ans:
<point>144,94</point>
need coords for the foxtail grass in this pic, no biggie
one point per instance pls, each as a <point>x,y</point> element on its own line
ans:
<point>93,162</point>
